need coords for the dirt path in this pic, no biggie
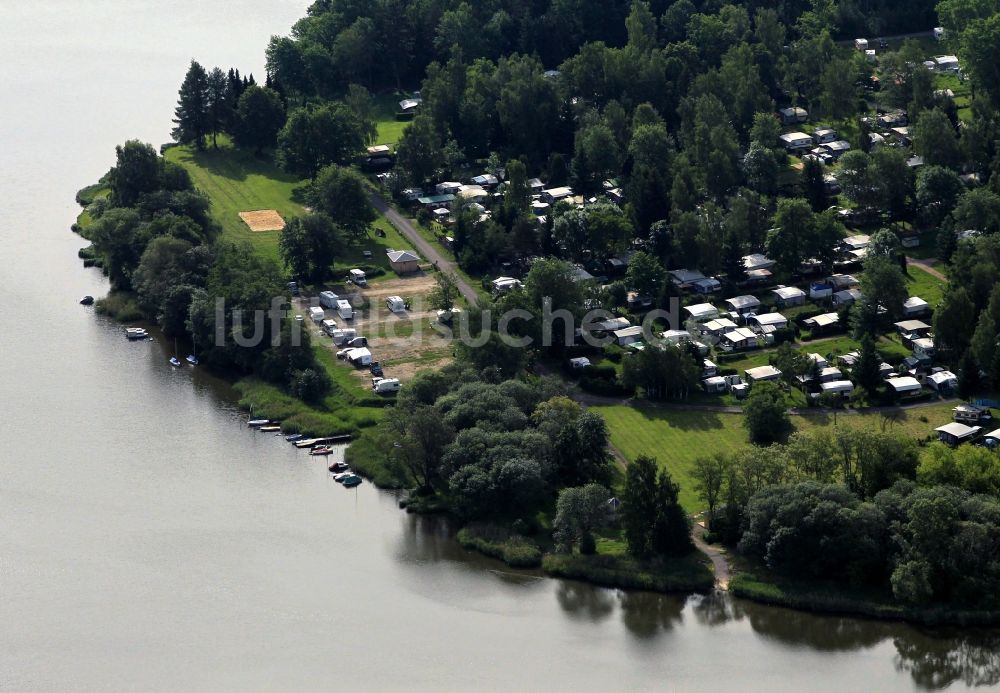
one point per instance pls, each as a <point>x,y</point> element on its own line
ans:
<point>927,265</point>
<point>428,251</point>
<point>720,564</point>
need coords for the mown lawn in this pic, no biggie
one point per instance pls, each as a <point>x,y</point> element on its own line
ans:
<point>390,130</point>
<point>920,282</point>
<point>678,437</point>
<point>237,181</point>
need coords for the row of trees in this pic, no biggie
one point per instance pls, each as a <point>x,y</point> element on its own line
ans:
<point>306,138</point>
<point>387,43</point>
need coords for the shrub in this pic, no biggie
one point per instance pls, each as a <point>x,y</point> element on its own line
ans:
<point>588,546</point>
<point>605,388</point>
<point>600,372</point>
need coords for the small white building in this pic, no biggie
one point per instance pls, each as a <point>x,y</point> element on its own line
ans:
<point>916,328</point>
<point>861,44</point>
<point>825,135</point>
<point>793,115</point>
<point>844,388</point>
<point>915,305</point>
<point>553,195</point>
<point>817,359</point>
<point>946,63</point>
<point>830,374</point>
<point>504,284</point>
<point>757,261</point>
<point>837,149</point>
<point>718,327</point>
<point>955,433</point>
<point>923,348</point>
<point>788,296</point>
<point>676,337</point>
<point>972,414</point>
<point>846,297</point>
<point>942,381</point>
<point>708,285</point>
<point>714,385</point>
<point>825,321</point>
<point>904,385</point>
<point>776,321</point>
<point>628,335</point>
<point>702,312</point>
<point>741,338</point>
<point>610,325</point>
<point>685,278</point>
<point>743,304</point>
<point>796,141</point>
<point>762,374</point>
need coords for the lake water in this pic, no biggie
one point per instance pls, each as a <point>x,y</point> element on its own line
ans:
<point>149,541</point>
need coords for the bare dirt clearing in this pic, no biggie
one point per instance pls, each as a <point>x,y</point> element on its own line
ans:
<point>403,342</point>
<point>263,220</point>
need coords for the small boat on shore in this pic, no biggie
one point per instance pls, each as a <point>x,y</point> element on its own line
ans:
<point>257,423</point>
<point>339,467</point>
<point>270,429</point>
<point>329,440</point>
<point>339,478</point>
<point>321,450</point>
<point>351,481</point>
<point>192,359</point>
<point>294,437</point>
<point>175,362</point>
<point>87,301</point>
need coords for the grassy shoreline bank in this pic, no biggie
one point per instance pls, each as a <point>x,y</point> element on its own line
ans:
<point>764,588</point>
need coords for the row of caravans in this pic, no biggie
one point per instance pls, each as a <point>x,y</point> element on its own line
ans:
<point>359,356</point>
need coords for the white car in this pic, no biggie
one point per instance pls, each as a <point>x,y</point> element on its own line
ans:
<point>299,318</point>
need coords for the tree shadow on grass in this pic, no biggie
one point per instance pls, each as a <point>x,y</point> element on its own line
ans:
<point>685,419</point>
<point>235,164</point>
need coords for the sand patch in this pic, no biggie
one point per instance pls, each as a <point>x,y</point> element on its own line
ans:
<point>263,220</point>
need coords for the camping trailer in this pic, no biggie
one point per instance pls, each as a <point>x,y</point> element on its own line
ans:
<point>395,304</point>
<point>342,336</point>
<point>328,299</point>
<point>383,386</point>
<point>344,309</point>
<point>316,314</point>
<point>358,277</point>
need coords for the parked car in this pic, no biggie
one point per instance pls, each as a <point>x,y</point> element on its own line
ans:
<point>375,368</point>
<point>356,342</point>
<point>342,354</point>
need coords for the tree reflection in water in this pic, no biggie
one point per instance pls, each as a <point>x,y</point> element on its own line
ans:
<point>934,663</point>
<point>585,601</point>
<point>646,614</point>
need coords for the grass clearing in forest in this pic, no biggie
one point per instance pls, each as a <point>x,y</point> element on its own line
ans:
<point>237,181</point>
<point>678,437</point>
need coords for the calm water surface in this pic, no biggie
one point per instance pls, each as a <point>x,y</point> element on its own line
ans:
<point>148,541</point>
